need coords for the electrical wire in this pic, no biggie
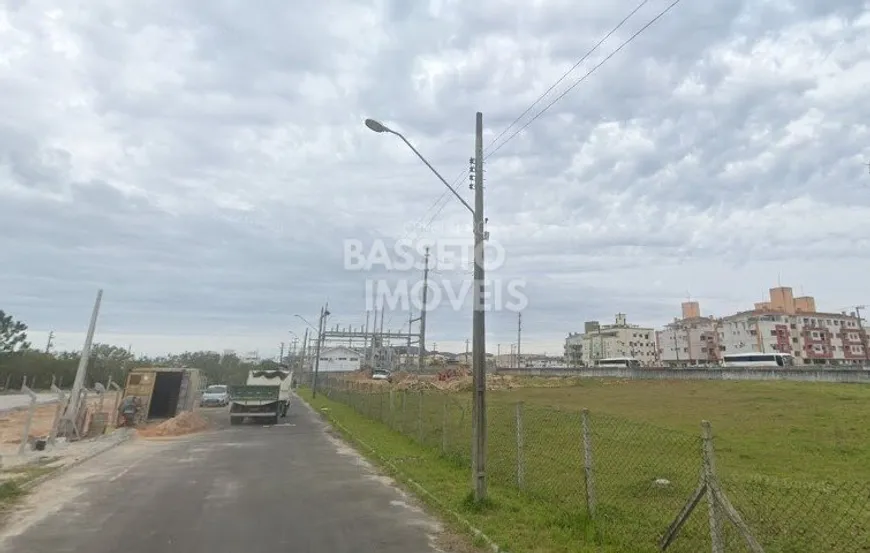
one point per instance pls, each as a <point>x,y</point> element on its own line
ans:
<point>568,72</point>
<point>584,77</point>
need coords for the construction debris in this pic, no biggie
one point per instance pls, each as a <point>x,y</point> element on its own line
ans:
<point>450,380</point>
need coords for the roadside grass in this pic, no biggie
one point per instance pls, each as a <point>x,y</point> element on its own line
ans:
<point>791,456</point>
<point>14,486</point>
<point>788,429</point>
<point>516,522</point>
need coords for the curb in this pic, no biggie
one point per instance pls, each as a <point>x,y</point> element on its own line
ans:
<point>494,547</point>
<point>30,484</point>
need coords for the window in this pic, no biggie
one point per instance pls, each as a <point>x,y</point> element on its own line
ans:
<point>773,332</point>
<point>135,379</point>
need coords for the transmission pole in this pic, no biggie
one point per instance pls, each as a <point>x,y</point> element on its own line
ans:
<point>281,355</point>
<point>478,463</point>
<point>422,346</point>
<point>519,338</point>
<point>48,344</point>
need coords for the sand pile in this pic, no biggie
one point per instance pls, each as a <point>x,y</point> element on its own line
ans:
<point>185,423</point>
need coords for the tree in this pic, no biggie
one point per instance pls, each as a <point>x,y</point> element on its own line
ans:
<point>13,334</point>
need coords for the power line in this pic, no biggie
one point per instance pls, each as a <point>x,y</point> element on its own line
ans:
<point>584,77</point>
<point>575,66</point>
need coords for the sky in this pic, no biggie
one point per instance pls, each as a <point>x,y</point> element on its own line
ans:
<point>206,164</point>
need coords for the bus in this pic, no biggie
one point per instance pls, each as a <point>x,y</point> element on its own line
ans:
<point>625,362</point>
<point>757,360</point>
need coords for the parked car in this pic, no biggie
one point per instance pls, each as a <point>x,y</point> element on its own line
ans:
<point>216,395</point>
<point>382,374</point>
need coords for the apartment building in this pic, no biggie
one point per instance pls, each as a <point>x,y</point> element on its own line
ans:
<point>783,324</point>
<point>689,341</point>
<point>786,324</point>
<point>619,339</point>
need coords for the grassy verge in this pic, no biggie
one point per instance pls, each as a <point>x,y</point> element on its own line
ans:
<point>515,521</point>
<point>14,486</point>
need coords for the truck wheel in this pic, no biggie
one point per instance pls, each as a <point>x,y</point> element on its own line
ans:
<point>236,420</point>
<point>273,420</point>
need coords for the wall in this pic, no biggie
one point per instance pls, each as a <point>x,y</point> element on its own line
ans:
<point>858,375</point>
<point>340,360</point>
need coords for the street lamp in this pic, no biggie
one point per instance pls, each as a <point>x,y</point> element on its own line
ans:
<point>304,320</point>
<point>478,445</point>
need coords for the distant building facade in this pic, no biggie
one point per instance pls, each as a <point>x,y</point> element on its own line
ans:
<point>619,339</point>
<point>784,324</point>
<point>689,341</point>
<point>339,359</point>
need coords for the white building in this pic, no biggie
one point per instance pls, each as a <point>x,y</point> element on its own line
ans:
<point>615,340</point>
<point>691,340</point>
<point>340,359</point>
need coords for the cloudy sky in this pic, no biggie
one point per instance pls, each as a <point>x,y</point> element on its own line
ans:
<point>205,163</point>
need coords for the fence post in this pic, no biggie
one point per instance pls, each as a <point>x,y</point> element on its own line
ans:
<point>402,414</point>
<point>589,474</point>
<point>58,411</point>
<point>392,409</point>
<point>521,473</point>
<point>709,460</point>
<point>26,436</point>
<point>420,418</point>
<point>445,411</point>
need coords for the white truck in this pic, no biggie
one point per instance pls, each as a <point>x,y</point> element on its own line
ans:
<point>265,396</point>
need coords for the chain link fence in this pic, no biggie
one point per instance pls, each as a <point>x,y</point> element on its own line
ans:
<point>636,486</point>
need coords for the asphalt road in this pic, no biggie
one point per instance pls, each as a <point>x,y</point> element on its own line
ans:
<point>16,400</point>
<point>291,487</point>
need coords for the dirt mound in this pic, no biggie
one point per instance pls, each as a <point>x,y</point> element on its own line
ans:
<point>185,423</point>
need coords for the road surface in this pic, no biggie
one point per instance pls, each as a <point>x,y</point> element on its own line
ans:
<point>251,489</point>
<point>16,400</point>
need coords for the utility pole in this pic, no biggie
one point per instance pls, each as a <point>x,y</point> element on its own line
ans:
<point>304,357</point>
<point>498,355</point>
<point>381,350</point>
<point>466,350</point>
<point>519,339</point>
<point>366,341</point>
<point>422,345</point>
<point>478,463</point>
<point>281,355</point>
<point>863,334</point>
<point>324,312</point>
<point>72,407</point>
<point>48,344</point>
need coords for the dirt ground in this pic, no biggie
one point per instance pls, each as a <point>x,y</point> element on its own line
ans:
<point>12,422</point>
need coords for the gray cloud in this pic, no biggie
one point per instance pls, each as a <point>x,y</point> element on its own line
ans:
<point>205,162</point>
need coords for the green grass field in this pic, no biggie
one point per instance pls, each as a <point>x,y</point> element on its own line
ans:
<point>792,457</point>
